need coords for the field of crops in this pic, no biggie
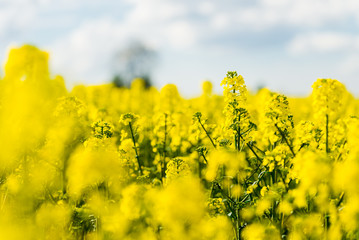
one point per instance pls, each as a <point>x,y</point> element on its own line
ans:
<point>102,162</point>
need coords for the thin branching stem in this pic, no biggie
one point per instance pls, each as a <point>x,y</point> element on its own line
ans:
<point>204,129</point>
<point>252,150</point>
<point>163,168</point>
<point>258,149</point>
<point>239,139</point>
<point>135,147</point>
<point>252,174</point>
<point>285,139</point>
<point>204,157</point>
<point>327,133</point>
<point>340,199</point>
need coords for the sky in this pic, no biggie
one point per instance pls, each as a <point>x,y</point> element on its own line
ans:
<point>284,45</point>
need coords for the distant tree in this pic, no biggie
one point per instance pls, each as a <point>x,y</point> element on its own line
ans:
<point>135,61</point>
<point>118,81</point>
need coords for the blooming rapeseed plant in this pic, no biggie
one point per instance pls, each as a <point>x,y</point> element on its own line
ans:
<point>102,162</point>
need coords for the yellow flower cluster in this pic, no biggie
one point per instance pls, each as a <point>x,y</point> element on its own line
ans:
<point>237,118</point>
<point>328,96</point>
<point>102,162</point>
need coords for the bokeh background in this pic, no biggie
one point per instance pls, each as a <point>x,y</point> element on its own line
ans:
<point>282,44</point>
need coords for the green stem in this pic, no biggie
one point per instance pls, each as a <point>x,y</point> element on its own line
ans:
<point>239,140</point>
<point>250,176</point>
<point>326,223</point>
<point>163,169</point>
<point>258,149</point>
<point>204,129</point>
<point>238,136</point>
<point>228,198</point>
<point>235,142</point>
<point>285,139</point>
<point>341,199</point>
<point>252,150</point>
<point>238,211</point>
<point>327,133</point>
<point>134,146</point>
<point>204,157</point>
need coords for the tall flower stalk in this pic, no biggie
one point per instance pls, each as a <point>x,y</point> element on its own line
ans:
<point>129,120</point>
<point>237,116</point>
<point>327,101</point>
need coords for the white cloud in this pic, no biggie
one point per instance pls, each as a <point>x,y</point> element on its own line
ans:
<point>155,11</point>
<point>206,8</point>
<point>221,21</point>
<point>181,34</point>
<point>350,65</point>
<point>84,48</point>
<point>323,42</point>
<point>303,13</point>
<point>87,51</point>
<point>16,17</point>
